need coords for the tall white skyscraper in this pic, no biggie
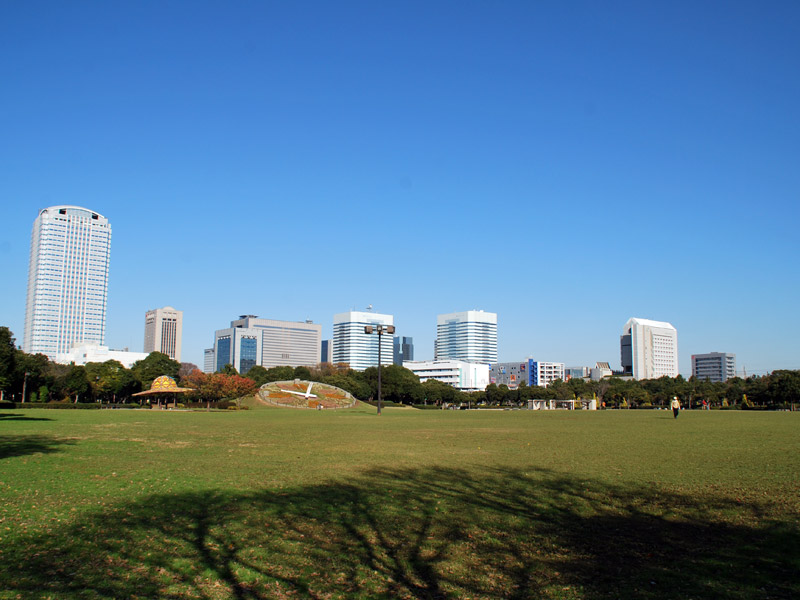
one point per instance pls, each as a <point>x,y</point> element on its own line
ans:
<point>163,328</point>
<point>67,280</point>
<point>469,335</point>
<point>353,346</point>
<point>649,349</point>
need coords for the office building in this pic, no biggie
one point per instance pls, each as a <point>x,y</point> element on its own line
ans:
<point>251,341</point>
<point>530,372</point>
<point>511,374</point>
<point>81,354</point>
<point>403,349</point>
<point>469,336</point>
<point>714,366</point>
<point>465,376</point>
<point>576,373</point>
<point>545,373</point>
<point>649,349</point>
<point>67,280</point>
<point>209,361</point>
<point>327,352</point>
<point>358,349</point>
<point>163,329</point>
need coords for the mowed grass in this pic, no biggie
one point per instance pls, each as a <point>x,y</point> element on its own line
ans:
<point>281,503</point>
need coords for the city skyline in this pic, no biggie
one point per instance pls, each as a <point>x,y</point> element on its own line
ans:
<point>235,150</point>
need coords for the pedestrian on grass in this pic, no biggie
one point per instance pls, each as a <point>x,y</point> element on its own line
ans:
<point>676,406</point>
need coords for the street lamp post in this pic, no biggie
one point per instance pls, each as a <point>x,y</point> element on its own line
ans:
<point>380,330</point>
<point>24,386</point>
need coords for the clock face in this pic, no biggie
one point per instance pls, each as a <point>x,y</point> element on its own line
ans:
<point>305,394</point>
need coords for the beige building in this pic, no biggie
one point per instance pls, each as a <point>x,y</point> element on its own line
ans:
<point>163,328</point>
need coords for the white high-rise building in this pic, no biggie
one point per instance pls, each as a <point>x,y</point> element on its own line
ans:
<point>67,280</point>
<point>353,346</point>
<point>163,329</point>
<point>470,336</point>
<point>649,349</point>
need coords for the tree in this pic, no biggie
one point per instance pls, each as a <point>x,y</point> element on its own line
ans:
<point>302,373</point>
<point>35,365</point>
<point>229,369</point>
<point>258,374</point>
<point>8,358</point>
<point>111,381</point>
<point>76,383</point>
<point>784,387</point>
<point>154,365</point>
<point>186,368</point>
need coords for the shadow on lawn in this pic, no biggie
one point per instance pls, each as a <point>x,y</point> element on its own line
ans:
<point>22,445</point>
<point>427,533</point>
<point>19,417</point>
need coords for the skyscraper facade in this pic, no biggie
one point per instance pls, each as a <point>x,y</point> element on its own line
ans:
<point>403,349</point>
<point>163,329</point>
<point>649,349</point>
<point>353,346</point>
<point>469,336</point>
<point>67,280</point>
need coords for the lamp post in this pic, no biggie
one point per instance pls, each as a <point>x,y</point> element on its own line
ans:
<point>380,330</point>
<point>24,386</point>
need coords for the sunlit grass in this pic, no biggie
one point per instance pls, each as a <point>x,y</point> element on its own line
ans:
<point>276,502</point>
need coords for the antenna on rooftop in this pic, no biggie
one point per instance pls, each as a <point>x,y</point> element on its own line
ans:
<point>369,307</point>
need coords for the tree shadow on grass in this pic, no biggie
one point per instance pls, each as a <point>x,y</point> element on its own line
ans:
<point>417,533</point>
<point>19,417</point>
<point>23,445</point>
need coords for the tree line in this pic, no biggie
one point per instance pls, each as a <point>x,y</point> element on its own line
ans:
<point>110,382</point>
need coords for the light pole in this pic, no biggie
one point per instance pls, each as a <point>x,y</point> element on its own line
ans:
<point>24,386</point>
<point>380,329</point>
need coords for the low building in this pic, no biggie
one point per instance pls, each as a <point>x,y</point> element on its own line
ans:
<point>530,372</point>
<point>464,376</point>
<point>81,354</point>
<point>601,370</point>
<point>511,374</point>
<point>576,373</point>
<point>714,366</point>
<point>545,373</point>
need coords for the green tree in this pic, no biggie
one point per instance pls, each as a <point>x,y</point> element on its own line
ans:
<point>229,369</point>
<point>280,374</point>
<point>76,383</point>
<point>258,374</point>
<point>302,373</point>
<point>111,381</point>
<point>36,367</point>
<point>784,387</point>
<point>154,365</point>
<point>8,359</point>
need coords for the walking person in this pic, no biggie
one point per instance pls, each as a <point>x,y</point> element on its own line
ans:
<point>676,406</point>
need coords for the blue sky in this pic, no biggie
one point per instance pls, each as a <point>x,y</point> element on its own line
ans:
<point>567,165</point>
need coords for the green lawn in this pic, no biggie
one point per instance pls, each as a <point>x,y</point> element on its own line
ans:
<point>280,503</point>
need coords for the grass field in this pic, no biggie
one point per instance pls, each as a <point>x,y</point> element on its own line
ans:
<point>281,503</point>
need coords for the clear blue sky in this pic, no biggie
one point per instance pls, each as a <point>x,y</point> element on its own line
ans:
<point>567,165</point>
